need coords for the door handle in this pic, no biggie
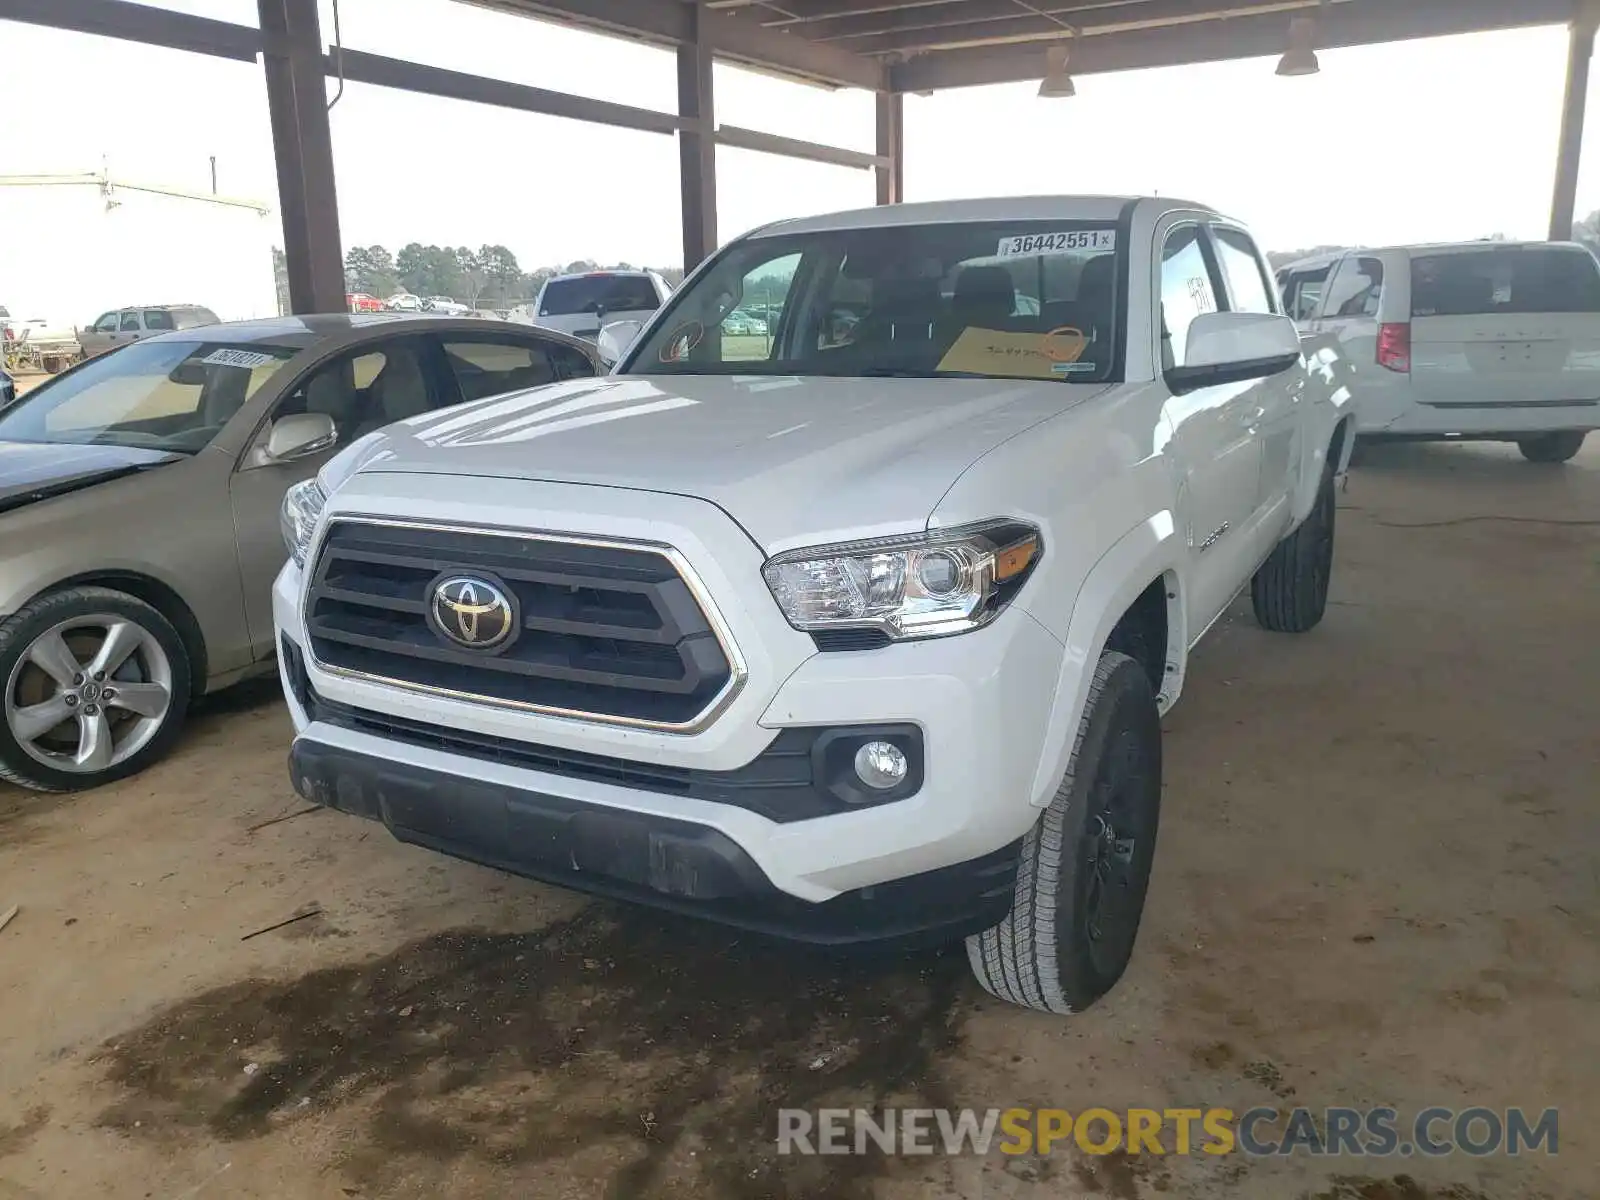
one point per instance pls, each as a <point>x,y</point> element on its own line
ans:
<point>1252,415</point>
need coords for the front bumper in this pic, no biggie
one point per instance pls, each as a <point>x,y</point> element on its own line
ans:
<point>981,702</point>
<point>665,862</point>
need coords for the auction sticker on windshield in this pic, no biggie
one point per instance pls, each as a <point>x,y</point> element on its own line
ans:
<point>249,359</point>
<point>1063,242</point>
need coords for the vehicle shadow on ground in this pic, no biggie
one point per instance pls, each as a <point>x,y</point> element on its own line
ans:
<point>266,691</point>
<point>530,1048</point>
<point>1484,465</point>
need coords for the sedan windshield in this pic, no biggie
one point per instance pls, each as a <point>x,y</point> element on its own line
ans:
<point>165,395</point>
<point>1003,300</point>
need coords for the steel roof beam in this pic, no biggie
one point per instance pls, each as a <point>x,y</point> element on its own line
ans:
<point>140,23</point>
<point>975,20</point>
<point>1355,23</point>
<point>361,67</point>
<point>736,36</point>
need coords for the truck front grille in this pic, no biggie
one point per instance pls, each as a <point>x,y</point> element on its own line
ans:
<point>600,630</point>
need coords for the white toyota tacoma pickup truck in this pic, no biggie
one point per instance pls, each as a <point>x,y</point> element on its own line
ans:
<point>860,630</point>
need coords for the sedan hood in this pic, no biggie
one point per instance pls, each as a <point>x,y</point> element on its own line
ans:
<point>796,461</point>
<point>32,471</point>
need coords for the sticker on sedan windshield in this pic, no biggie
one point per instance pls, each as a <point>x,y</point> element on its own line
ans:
<point>228,357</point>
<point>1064,242</point>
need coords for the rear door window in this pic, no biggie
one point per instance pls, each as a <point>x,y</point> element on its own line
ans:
<point>130,322</point>
<point>592,293</point>
<point>1513,279</point>
<point>484,367</point>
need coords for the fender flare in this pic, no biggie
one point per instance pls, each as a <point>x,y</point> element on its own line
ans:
<point>1153,549</point>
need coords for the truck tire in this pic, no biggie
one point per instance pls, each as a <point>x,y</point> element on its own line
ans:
<point>1551,447</point>
<point>1290,590</point>
<point>1085,864</point>
<point>112,722</point>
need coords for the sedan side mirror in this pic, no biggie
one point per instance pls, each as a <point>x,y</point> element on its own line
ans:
<point>614,340</point>
<point>1233,347</point>
<point>300,435</point>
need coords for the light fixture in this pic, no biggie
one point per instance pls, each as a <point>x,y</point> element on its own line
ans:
<point>881,765</point>
<point>1057,84</point>
<point>1301,56</point>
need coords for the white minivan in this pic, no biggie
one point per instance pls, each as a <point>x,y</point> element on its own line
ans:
<point>1482,341</point>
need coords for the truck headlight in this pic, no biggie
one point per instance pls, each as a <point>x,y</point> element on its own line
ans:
<point>302,508</point>
<point>925,585</point>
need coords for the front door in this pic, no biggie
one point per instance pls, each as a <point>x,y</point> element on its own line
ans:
<point>1276,401</point>
<point>362,390</point>
<point>102,335</point>
<point>1216,441</point>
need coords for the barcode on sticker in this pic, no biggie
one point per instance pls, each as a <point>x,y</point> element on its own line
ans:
<point>249,359</point>
<point>1063,242</point>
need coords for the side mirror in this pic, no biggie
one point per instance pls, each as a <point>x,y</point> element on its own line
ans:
<point>300,435</point>
<point>1233,347</point>
<point>615,338</point>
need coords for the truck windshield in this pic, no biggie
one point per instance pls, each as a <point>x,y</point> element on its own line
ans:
<point>1003,300</point>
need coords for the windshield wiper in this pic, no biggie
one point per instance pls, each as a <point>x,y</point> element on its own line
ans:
<point>917,373</point>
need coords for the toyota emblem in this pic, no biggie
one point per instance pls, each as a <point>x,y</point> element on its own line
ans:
<point>472,612</point>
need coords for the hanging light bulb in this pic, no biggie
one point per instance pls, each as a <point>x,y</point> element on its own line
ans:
<point>1057,84</point>
<point>1301,56</point>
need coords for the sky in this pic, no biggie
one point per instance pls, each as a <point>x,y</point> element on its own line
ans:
<point>1440,140</point>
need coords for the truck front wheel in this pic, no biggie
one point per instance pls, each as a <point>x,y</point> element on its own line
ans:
<point>1290,591</point>
<point>1085,864</point>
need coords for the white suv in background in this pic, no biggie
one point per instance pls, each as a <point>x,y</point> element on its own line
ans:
<point>1482,341</point>
<point>580,304</point>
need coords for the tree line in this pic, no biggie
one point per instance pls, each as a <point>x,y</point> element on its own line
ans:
<point>489,276</point>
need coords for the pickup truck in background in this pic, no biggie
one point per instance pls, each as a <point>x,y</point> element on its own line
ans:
<point>1476,341</point>
<point>847,638</point>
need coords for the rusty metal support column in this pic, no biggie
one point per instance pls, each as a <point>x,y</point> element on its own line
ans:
<point>891,145</point>
<point>303,147</point>
<point>697,145</point>
<point>1563,208</point>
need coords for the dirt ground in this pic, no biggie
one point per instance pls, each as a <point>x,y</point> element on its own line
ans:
<point>1377,883</point>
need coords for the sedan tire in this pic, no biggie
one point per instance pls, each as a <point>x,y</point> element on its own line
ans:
<point>96,687</point>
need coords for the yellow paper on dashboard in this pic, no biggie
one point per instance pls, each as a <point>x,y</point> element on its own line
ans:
<point>1050,355</point>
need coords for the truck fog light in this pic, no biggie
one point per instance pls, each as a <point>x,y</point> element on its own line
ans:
<point>881,765</point>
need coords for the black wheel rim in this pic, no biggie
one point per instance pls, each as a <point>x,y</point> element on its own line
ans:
<point>1114,833</point>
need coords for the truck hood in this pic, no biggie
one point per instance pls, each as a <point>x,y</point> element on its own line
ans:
<point>32,471</point>
<point>796,461</point>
